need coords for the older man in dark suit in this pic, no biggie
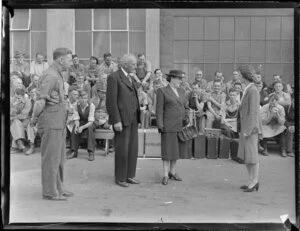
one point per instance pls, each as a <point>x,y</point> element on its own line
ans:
<point>124,114</point>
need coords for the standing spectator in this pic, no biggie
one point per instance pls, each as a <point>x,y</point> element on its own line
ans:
<point>185,84</point>
<point>235,78</point>
<point>76,70</point>
<point>258,78</point>
<point>92,71</point>
<point>287,137</point>
<point>143,101</point>
<point>81,85</point>
<point>284,99</point>
<point>215,101</point>
<point>107,67</point>
<point>124,114</point>
<point>273,119</point>
<point>143,70</point>
<point>151,96</point>
<point>21,68</point>
<point>263,94</point>
<point>172,114</point>
<point>159,78</point>
<point>20,108</point>
<point>237,86</point>
<point>219,77</point>
<point>50,111</point>
<point>276,78</point>
<point>101,84</point>
<point>34,83</point>
<point>39,65</point>
<point>199,79</point>
<point>84,118</point>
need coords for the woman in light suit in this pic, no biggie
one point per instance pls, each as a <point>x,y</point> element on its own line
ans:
<point>250,128</point>
<point>172,113</point>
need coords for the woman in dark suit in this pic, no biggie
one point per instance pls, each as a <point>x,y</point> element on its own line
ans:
<point>172,113</point>
<point>249,127</point>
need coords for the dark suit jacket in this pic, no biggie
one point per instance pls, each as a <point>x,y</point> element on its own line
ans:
<point>171,110</point>
<point>121,99</point>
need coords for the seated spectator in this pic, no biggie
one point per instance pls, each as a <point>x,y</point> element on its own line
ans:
<point>235,78</point>
<point>92,71</point>
<point>229,116</point>
<point>84,118</point>
<point>38,66</point>
<point>276,78</point>
<point>143,70</point>
<point>264,96</point>
<point>108,66</point>
<point>34,83</point>
<point>198,102</point>
<point>75,70</point>
<point>273,119</point>
<point>159,77</point>
<point>143,100</point>
<point>20,107</point>
<point>258,78</point>
<point>215,101</point>
<point>218,76</point>
<point>21,68</point>
<point>237,86</point>
<point>284,99</point>
<point>17,83</point>
<point>200,80</point>
<point>81,85</point>
<point>287,137</point>
<point>71,103</point>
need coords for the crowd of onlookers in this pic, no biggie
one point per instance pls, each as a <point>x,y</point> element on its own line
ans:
<point>214,104</point>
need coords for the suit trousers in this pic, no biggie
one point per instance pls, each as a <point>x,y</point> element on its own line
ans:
<point>53,150</point>
<point>18,127</point>
<point>287,139</point>
<point>126,151</point>
<point>90,134</point>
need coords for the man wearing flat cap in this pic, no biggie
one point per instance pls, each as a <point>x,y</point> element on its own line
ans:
<point>21,68</point>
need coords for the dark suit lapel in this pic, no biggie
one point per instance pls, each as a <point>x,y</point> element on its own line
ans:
<point>125,80</point>
<point>172,93</point>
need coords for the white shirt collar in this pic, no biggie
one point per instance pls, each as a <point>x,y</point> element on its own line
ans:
<point>125,73</point>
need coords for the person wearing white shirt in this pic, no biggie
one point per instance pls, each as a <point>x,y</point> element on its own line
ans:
<point>38,66</point>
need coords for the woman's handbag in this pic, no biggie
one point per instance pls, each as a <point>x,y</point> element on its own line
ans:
<point>190,131</point>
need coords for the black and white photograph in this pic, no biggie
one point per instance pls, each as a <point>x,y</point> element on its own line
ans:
<point>151,115</point>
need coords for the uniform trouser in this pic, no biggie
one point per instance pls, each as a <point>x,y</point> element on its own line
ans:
<point>53,150</point>
<point>287,141</point>
<point>17,130</point>
<point>126,152</point>
<point>90,134</point>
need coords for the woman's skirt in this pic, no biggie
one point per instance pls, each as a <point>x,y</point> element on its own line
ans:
<point>169,146</point>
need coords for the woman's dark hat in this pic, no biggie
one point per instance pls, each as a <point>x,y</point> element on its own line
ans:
<point>175,74</point>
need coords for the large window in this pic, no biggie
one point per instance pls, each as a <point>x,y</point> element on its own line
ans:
<point>28,33</point>
<point>214,43</point>
<point>118,31</point>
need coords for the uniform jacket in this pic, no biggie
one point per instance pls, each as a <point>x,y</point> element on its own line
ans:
<point>122,102</point>
<point>171,110</point>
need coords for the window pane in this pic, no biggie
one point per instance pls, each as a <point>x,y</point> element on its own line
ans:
<point>38,19</point>
<point>270,69</point>
<point>227,28</point>
<point>180,54</point>
<point>287,31</point>
<point>20,19</point>
<point>258,51</point>
<point>101,19</point>
<point>227,69</point>
<point>137,42</point>
<point>181,28</point>
<point>119,43</point>
<point>118,19</point>
<point>38,43</point>
<point>227,51</point>
<point>288,73</point>
<point>196,28</point>
<point>242,50</point>
<point>211,51</point>
<point>258,28</point>
<point>273,51</point>
<point>209,70</point>
<point>287,51</point>
<point>21,42</point>
<point>83,19</point>
<point>273,27</point>
<point>83,44</point>
<point>242,28</point>
<point>182,67</point>
<point>211,26</point>
<point>137,19</point>
<point>101,43</point>
<point>196,52</point>
<point>192,70</point>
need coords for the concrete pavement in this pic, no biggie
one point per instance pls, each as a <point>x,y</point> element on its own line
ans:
<point>208,193</point>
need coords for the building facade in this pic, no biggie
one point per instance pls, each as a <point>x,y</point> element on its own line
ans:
<point>188,39</point>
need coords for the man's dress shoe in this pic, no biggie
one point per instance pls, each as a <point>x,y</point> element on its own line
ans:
<point>132,181</point>
<point>122,183</point>
<point>73,154</point>
<point>67,194</point>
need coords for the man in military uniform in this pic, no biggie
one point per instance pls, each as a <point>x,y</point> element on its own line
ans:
<point>51,114</point>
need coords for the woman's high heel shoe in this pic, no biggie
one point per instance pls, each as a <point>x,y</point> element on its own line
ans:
<point>244,187</point>
<point>255,187</point>
<point>164,180</point>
